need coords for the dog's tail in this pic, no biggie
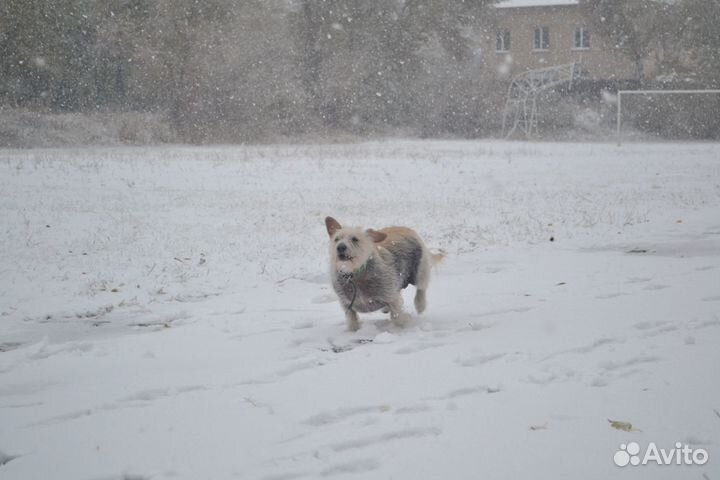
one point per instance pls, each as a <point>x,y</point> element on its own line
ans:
<point>439,257</point>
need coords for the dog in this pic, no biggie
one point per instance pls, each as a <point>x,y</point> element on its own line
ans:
<point>369,269</point>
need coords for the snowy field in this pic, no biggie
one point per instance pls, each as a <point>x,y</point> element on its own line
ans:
<point>165,313</point>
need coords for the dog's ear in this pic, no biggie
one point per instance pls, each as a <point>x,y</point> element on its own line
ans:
<point>332,225</point>
<point>375,235</point>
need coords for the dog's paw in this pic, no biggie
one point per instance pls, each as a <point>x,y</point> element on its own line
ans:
<point>401,319</point>
<point>353,323</point>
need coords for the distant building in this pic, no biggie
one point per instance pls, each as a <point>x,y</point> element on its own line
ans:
<point>533,34</point>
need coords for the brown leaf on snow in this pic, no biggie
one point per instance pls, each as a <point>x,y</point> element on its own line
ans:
<point>624,426</point>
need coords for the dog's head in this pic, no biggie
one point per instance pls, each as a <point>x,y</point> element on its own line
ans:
<point>351,248</point>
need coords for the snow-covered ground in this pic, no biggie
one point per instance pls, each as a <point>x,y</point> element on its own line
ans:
<point>165,312</point>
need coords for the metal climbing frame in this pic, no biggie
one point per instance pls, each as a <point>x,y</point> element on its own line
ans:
<point>523,93</point>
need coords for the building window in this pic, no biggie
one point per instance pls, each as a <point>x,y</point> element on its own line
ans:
<point>582,38</point>
<point>502,41</point>
<point>542,38</point>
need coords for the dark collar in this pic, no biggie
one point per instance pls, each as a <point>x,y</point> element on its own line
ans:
<point>357,273</point>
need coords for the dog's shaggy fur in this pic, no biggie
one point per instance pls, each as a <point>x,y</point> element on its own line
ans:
<point>369,268</point>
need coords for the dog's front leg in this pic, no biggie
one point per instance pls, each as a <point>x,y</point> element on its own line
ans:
<point>397,315</point>
<point>351,317</point>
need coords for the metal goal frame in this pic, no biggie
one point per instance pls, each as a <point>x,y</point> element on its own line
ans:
<point>620,93</point>
<point>521,104</point>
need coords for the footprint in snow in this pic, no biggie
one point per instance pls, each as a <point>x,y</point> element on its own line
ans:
<point>607,296</point>
<point>492,270</point>
<point>411,409</point>
<point>286,476</point>
<point>660,331</point>
<point>298,367</point>
<point>158,393</point>
<point>480,360</point>
<point>462,392</point>
<point>353,466</point>
<point>7,346</point>
<point>542,378</point>
<point>638,280</point>
<point>374,440</point>
<point>501,311</point>
<point>585,348</point>
<point>466,391</point>
<point>418,347</point>
<point>706,324</point>
<point>610,365</point>
<point>335,416</point>
<point>649,325</point>
<point>5,458</point>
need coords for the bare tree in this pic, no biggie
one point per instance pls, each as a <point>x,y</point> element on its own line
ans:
<point>359,60</point>
<point>632,27</point>
<point>698,33</point>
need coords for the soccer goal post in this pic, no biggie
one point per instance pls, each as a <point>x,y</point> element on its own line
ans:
<point>620,94</point>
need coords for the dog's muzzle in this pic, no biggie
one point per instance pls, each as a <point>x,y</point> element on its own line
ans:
<point>342,252</point>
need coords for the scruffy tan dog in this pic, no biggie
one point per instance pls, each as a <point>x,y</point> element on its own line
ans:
<point>369,268</point>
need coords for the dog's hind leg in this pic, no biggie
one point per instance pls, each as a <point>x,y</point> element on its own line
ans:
<point>353,323</point>
<point>397,315</point>
<point>422,280</point>
<point>420,301</point>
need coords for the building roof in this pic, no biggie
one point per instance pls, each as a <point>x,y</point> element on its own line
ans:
<point>534,3</point>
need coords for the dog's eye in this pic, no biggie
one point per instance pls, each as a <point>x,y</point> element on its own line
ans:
<point>337,239</point>
<point>354,239</point>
